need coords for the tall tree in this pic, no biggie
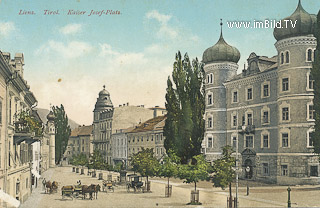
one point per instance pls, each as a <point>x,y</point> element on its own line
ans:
<point>185,104</point>
<point>97,161</point>
<point>62,131</point>
<point>315,73</point>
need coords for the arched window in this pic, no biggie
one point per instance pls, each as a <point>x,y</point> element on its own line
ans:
<point>282,58</point>
<point>211,78</point>
<point>208,78</point>
<point>287,56</point>
<point>309,55</point>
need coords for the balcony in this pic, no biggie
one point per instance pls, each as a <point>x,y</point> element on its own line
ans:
<point>247,129</point>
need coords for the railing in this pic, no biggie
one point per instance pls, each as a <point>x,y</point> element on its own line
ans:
<point>247,129</point>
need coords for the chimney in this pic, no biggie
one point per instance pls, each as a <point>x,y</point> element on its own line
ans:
<point>127,103</point>
<point>120,105</point>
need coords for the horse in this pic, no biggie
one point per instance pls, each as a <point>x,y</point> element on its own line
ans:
<point>87,189</point>
<point>54,186</point>
<point>96,189</point>
<point>48,187</point>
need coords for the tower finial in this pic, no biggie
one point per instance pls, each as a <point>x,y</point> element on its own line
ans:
<point>104,87</point>
<point>221,27</point>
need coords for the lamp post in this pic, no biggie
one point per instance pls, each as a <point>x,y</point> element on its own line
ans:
<point>289,202</point>
<point>241,106</point>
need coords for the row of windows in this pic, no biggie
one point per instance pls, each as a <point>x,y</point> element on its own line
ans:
<point>158,151</point>
<point>285,56</point>
<point>158,137</point>
<point>265,140</point>
<point>284,171</point>
<point>247,119</point>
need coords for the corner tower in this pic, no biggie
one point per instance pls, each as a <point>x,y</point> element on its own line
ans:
<point>220,65</point>
<point>52,141</point>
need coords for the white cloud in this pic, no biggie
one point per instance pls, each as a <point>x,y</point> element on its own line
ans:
<point>72,49</point>
<point>165,31</point>
<point>106,49</point>
<point>71,29</point>
<point>6,28</point>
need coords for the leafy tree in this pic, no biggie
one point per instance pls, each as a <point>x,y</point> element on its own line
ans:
<point>97,161</point>
<point>29,123</point>
<point>145,163</point>
<point>185,104</point>
<point>82,159</point>
<point>194,171</point>
<point>62,131</point>
<point>315,73</point>
<point>169,168</point>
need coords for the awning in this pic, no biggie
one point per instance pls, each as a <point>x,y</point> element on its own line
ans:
<point>9,199</point>
<point>35,173</point>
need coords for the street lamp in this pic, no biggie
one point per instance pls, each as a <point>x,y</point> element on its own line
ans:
<point>241,106</point>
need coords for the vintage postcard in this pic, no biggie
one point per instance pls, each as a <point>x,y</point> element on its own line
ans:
<point>159,103</point>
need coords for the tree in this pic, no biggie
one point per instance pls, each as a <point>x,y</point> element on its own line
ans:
<point>194,171</point>
<point>145,163</point>
<point>62,131</point>
<point>315,73</point>
<point>185,104</point>
<point>223,171</point>
<point>169,168</point>
<point>97,161</point>
<point>29,123</point>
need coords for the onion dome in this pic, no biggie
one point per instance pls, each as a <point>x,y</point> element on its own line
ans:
<point>298,24</point>
<point>51,116</point>
<point>221,51</point>
<point>103,101</point>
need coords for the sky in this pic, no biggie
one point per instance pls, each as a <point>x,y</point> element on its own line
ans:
<point>130,50</point>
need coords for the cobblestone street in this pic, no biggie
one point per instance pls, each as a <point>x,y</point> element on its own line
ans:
<point>267,196</point>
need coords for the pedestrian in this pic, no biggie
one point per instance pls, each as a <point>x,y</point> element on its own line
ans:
<point>44,184</point>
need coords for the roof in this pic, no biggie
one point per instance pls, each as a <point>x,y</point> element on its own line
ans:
<point>82,131</point>
<point>156,123</point>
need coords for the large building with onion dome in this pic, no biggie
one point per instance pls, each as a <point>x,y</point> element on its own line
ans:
<point>102,124</point>
<point>268,108</point>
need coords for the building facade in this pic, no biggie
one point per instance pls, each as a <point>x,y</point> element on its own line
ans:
<point>102,125</point>
<point>268,108</point>
<point>80,141</point>
<point>148,135</point>
<point>119,141</point>
<point>16,141</point>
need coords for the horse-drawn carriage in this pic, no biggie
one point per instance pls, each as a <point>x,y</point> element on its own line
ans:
<point>67,191</point>
<point>50,187</point>
<point>78,190</point>
<point>135,182</point>
<point>107,185</point>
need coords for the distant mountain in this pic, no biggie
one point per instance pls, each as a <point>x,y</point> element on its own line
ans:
<point>43,115</point>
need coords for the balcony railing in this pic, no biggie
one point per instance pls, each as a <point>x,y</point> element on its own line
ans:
<point>247,129</point>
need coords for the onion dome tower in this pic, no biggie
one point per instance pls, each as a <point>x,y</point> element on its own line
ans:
<point>220,65</point>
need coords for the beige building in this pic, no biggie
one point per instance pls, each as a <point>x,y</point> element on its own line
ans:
<point>148,135</point>
<point>80,141</point>
<point>15,144</point>
<point>267,109</point>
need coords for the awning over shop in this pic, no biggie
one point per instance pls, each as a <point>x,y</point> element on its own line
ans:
<point>17,139</point>
<point>9,199</point>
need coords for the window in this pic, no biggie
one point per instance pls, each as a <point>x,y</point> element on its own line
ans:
<point>285,114</point>
<point>265,90</point>
<point>132,139</point>
<point>249,142</point>
<point>285,140</point>
<point>310,141</point>
<point>265,118</point>
<point>265,169</point>
<point>152,138</point>
<point>141,138</point>
<point>265,141</point>
<point>285,84</point>
<point>210,142</point>
<point>311,112</point>
<point>210,122</point>
<point>249,94</point>
<point>211,78</point>
<point>287,57</point>
<point>284,170</point>
<point>234,142</point>
<point>210,99</point>
<point>235,97</point>
<point>234,120</point>
<point>249,119</point>
<point>311,82</point>
<point>309,55</point>
<point>282,58</point>
<point>208,79</point>
<point>314,170</point>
